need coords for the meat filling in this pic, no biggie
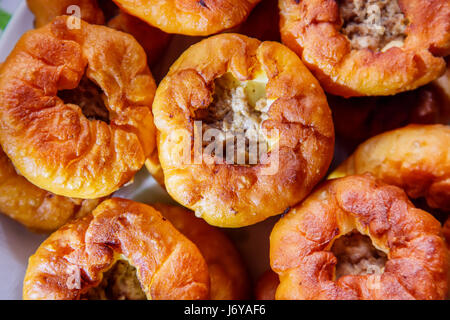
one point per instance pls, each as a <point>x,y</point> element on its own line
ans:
<point>119,283</point>
<point>373,24</point>
<point>89,97</point>
<point>237,113</point>
<point>356,255</point>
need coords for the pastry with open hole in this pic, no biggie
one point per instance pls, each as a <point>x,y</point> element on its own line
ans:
<point>190,17</point>
<point>359,238</point>
<point>153,40</point>
<point>229,279</point>
<point>369,47</point>
<point>244,130</point>
<point>75,109</point>
<point>415,158</point>
<point>39,210</point>
<point>124,250</point>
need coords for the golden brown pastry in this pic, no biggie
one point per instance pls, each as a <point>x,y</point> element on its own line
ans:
<point>124,250</point>
<point>75,115</point>
<point>45,11</point>
<point>190,17</point>
<point>415,158</point>
<point>231,88</point>
<point>37,209</point>
<point>358,119</point>
<point>369,48</point>
<point>228,276</point>
<point>266,286</point>
<point>153,40</point>
<point>358,238</point>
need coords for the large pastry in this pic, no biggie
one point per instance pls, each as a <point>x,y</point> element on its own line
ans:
<point>75,108</point>
<point>123,250</point>
<point>257,99</point>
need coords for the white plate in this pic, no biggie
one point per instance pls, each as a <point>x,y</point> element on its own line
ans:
<point>17,243</point>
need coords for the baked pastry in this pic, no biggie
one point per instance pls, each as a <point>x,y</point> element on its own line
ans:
<point>124,250</point>
<point>75,115</point>
<point>37,209</point>
<point>369,48</point>
<point>154,167</point>
<point>45,11</point>
<point>228,276</point>
<point>190,17</point>
<point>153,40</point>
<point>359,238</point>
<point>415,158</point>
<point>266,286</point>
<point>358,119</point>
<point>244,130</point>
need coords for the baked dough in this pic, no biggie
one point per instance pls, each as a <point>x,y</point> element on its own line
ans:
<point>215,82</point>
<point>190,17</point>
<point>153,40</point>
<point>228,276</point>
<point>124,250</point>
<point>369,47</point>
<point>75,115</point>
<point>415,158</point>
<point>37,209</point>
<point>414,265</point>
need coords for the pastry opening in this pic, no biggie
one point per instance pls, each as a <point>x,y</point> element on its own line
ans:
<point>89,97</point>
<point>373,24</point>
<point>120,282</point>
<point>356,255</point>
<point>234,119</point>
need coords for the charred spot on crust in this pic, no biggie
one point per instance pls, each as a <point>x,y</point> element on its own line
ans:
<point>89,97</point>
<point>373,24</point>
<point>234,119</point>
<point>356,255</point>
<point>203,4</point>
<point>119,283</point>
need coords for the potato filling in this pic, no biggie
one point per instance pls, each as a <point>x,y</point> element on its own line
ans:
<point>356,255</point>
<point>373,24</point>
<point>237,113</point>
<point>89,97</point>
<point>119,283</point>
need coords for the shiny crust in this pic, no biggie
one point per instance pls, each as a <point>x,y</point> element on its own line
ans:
<point>415,158</point>
<point>46,10</point>
<point>266,286</point>
<point>168,265</point>
<point>190,17</point>
<point>228,276</point>
<point>37,209</point>
<point>300,244</point>
<point>312,29</point>
<point>54,145</point>
<point>153,40</point>
<point>232,195</point>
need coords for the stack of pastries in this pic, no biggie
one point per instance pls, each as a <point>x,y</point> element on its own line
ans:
<point>252,121</point>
